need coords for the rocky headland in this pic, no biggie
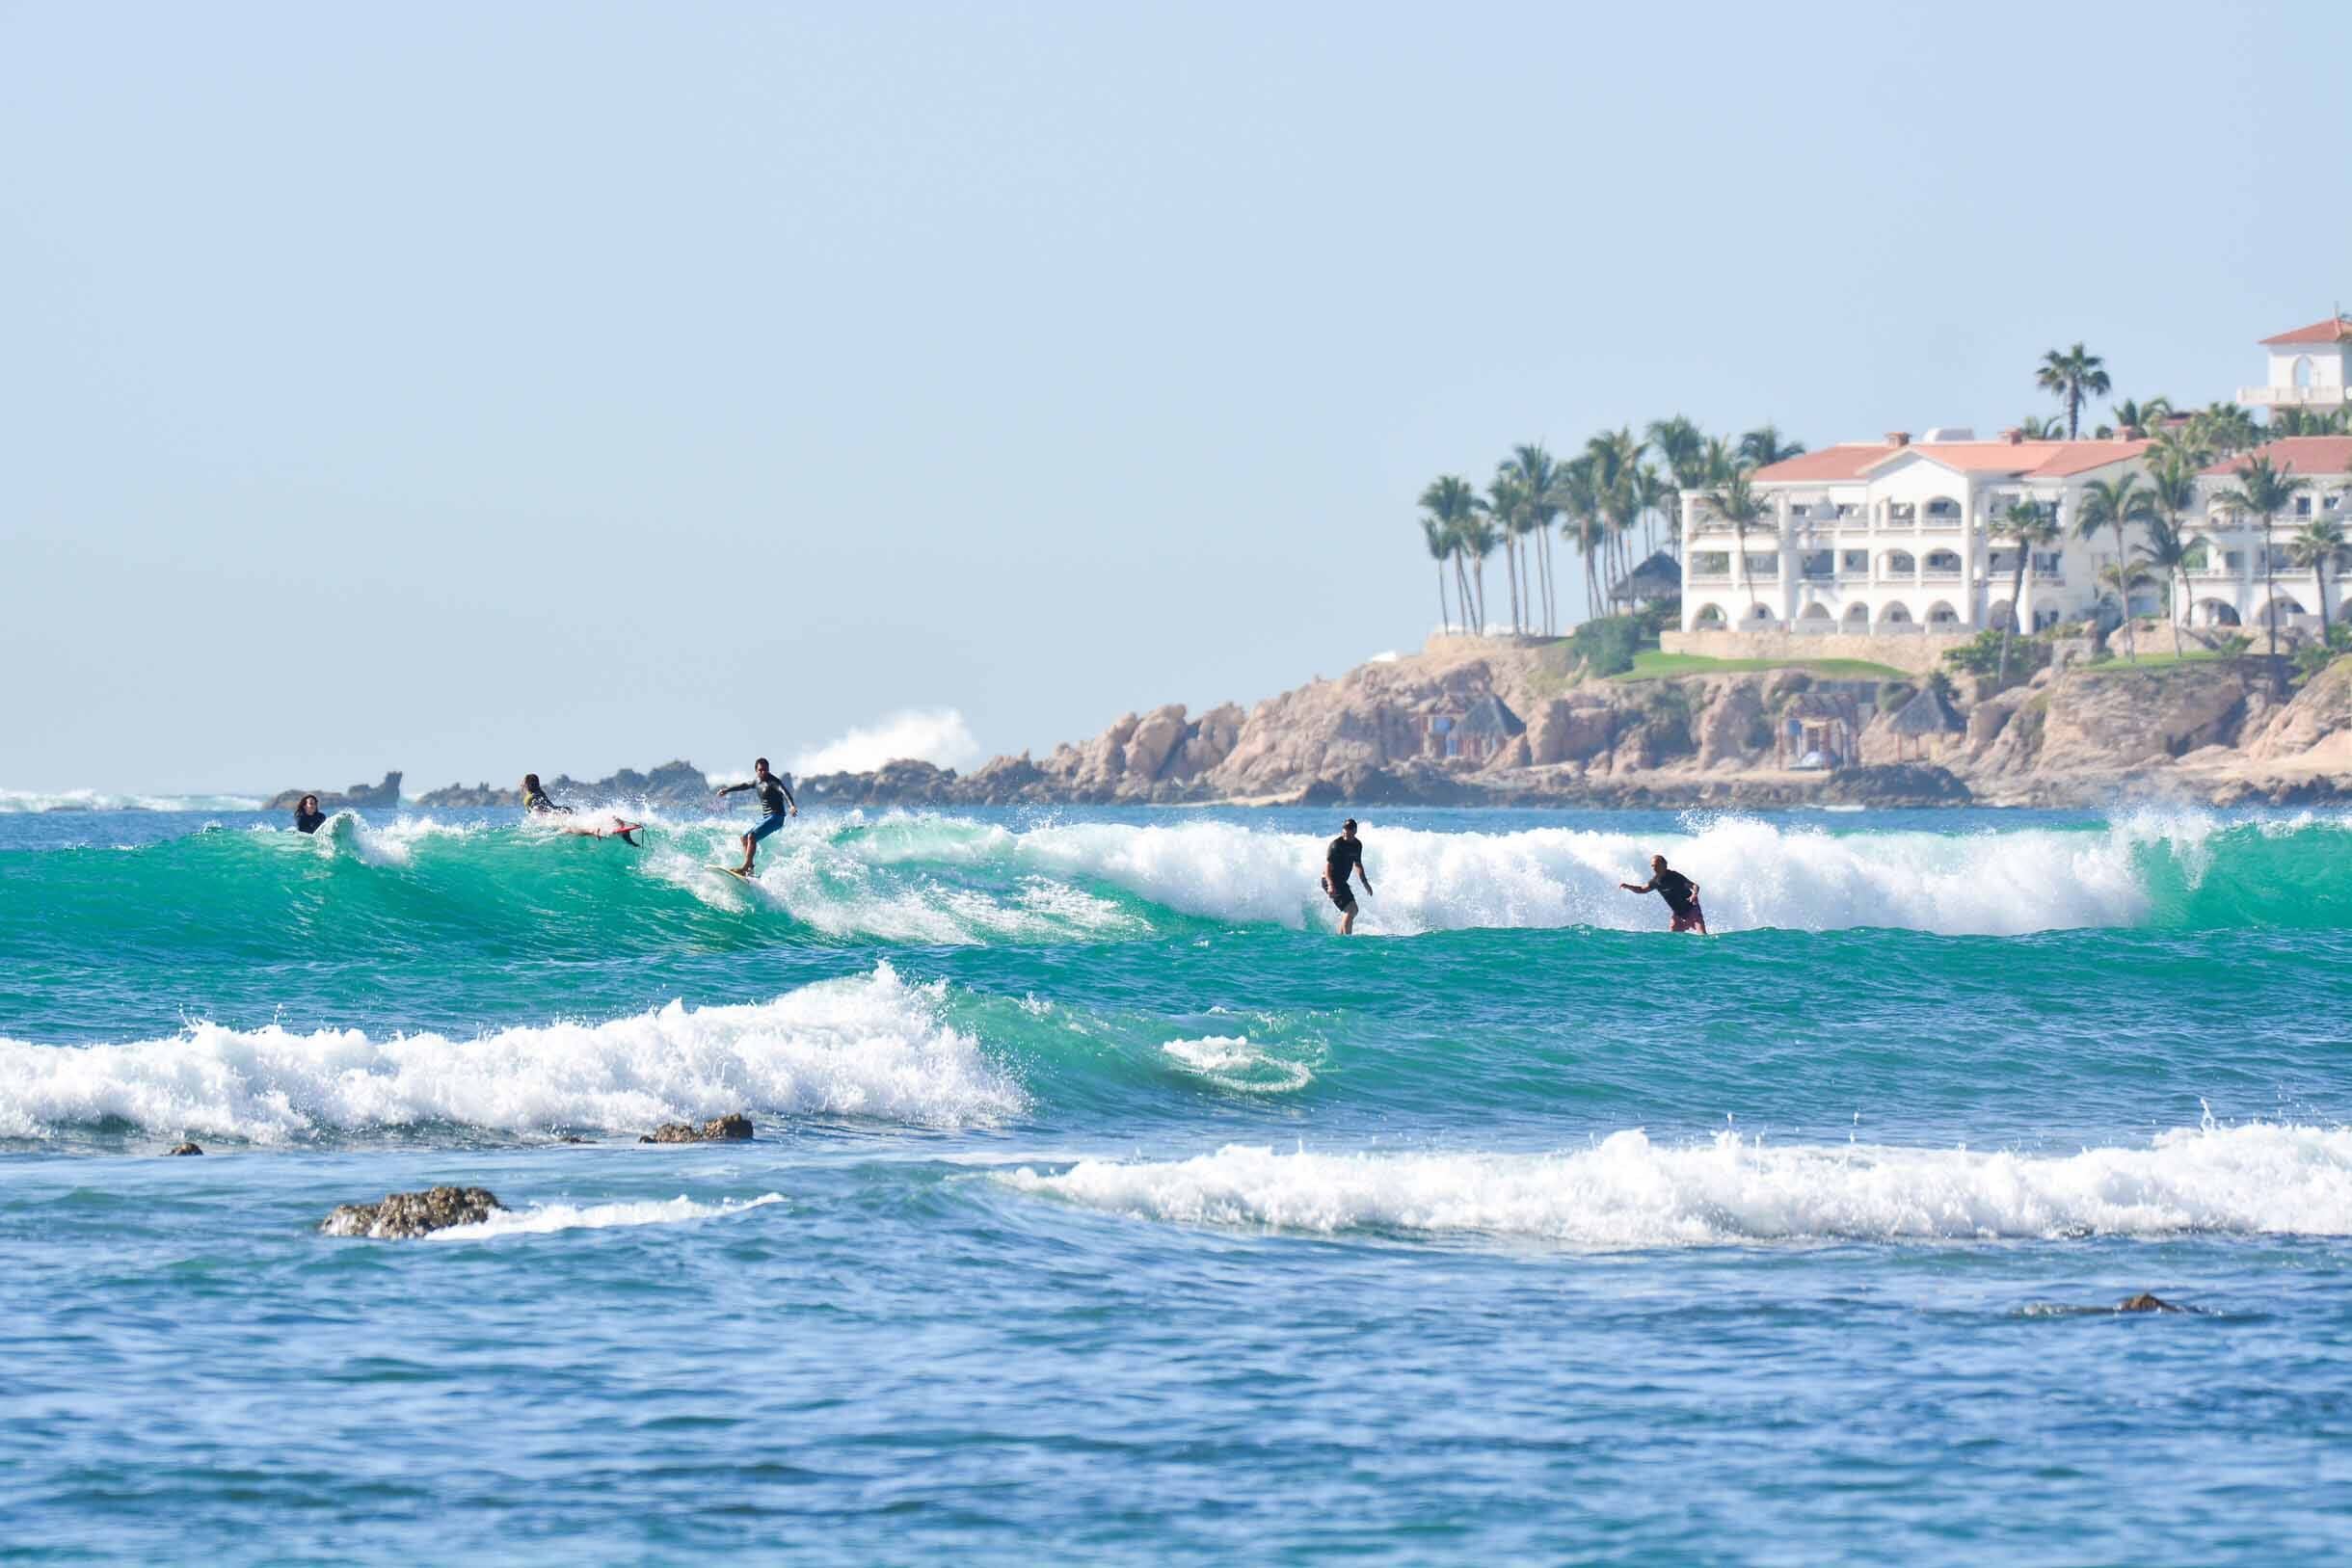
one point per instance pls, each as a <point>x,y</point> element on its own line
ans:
<point>359,797</point>
<point>1523,722</point>
<point>1470,722</point>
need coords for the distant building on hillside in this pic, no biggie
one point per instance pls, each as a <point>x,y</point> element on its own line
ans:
<point>1897,537</point>
<point>1473,733</point>
<point>2307,367</point>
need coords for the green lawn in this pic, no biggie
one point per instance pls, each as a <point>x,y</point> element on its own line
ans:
<point>1651,664</point>
<point>2153,662</point>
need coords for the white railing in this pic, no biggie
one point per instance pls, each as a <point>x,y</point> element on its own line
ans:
<point>1939,575</point>
<point>2292,397</point>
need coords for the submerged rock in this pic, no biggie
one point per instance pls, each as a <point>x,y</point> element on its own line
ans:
<point>404,1214</point>
<point>2144,1302</point>
<point>718,1129</point>
<point>185,1147</point>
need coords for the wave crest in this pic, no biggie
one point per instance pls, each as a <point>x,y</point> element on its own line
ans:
<point>868,1046</point>
<point>1627,1192</point>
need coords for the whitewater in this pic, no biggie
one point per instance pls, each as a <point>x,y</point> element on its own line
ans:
<point>1085,1149</point>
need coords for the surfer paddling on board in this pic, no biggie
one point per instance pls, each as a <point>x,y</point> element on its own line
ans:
<point>535,803</point>
<point>776,803</point>
<point>308,817</point>
<point>1346,855</point>
<point>1680,892</point>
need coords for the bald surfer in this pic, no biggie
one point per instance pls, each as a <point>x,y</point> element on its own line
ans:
<point>776,803</point>
<point>1346,855</point>
<point>1680,892</point>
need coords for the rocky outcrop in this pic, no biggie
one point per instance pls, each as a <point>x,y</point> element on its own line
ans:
<point>2312,732</point>
<point>359,797</point>
<point>404,1214</point>
<point>672,784</point>
<point>901,782</point>
<point>729,1128</point>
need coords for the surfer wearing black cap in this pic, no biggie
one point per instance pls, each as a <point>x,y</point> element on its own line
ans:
<point>1346,855</point>
<point>1680,892</point>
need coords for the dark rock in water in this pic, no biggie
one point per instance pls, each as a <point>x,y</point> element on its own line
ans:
<point>1896,785</point>
<point>571,1137</point>
<point>185,1147</point>
<point>718,1129</point>
<point>413,1213</point>
<point>2143,1302</point>
<point>383,796</point>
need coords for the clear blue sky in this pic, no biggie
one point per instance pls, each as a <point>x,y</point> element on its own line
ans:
<point>468,388</point>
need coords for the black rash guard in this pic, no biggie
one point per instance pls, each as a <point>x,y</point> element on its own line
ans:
<point>308,821</point>
<point>774,796</point>
<point>1346,855</point>
<point>1675,889</point>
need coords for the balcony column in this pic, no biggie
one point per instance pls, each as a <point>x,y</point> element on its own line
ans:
<point>1970,616</point>
<point>1788,591</point>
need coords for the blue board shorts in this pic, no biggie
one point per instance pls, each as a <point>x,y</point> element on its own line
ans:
<point>767,825</point>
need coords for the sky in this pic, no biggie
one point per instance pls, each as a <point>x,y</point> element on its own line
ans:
<point>470,390</point>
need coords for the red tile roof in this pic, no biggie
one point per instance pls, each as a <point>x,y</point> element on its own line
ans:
<point>2333,330</point>
<point>2039,460</point>
<point>2304,454</point>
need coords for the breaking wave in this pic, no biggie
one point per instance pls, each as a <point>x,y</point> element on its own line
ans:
<point>94,800</point>
<point>872,1046</point>
<point>1626,1192</point>
<point>541,1218</point>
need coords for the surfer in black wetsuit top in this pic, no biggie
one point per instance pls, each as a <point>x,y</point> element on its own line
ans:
<point>535,799</point>
<point>308,817</point>
<point>1346,855</point>
<point>535,803</point>
<point>776,803</point>
<point>1680,892</point>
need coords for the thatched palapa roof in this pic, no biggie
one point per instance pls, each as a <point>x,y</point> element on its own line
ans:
<point>1928,714</point>
<point>1658,577</point>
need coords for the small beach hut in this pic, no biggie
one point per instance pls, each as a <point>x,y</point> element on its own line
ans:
<point>1658,577</point>
<point>1923,720</point>
<point>1817,730</point>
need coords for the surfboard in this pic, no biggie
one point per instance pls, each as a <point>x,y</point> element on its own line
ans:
<point>734,872</point>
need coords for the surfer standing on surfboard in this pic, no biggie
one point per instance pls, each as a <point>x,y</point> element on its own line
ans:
<point>1680,892</point>
<point>776,803</point>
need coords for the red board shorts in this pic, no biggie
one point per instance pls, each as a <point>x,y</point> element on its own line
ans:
<point>1693,919</point>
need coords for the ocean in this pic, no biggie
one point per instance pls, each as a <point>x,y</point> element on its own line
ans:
<point>1105,1207</point>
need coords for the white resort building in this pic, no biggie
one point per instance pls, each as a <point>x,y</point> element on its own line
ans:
<point>1895,536</point>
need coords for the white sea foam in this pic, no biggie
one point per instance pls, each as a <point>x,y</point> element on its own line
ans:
<point>541,1218</point>
<point>1232,1062</point>
<point>1628,1192</point>
<point>866,1047</point>
<point>1752,872</point>
<point>96,800</point>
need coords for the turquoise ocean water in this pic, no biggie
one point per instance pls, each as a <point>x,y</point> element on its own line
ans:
<point>1105,1208</point>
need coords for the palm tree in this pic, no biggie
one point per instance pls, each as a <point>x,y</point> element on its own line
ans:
<point>2035,428</point>
<point>1440,541</point>
<point>2124,576</point>
<point>2224,428</point>
<point>2306,422</point>
<point>2172,490</point>
<point>1580,498</point>
<point>1538,475</point>
<point>2027,525</point>
<point>1720,461</point>
<point>2070,377</point>
<point>1658,499</point>
<point>2319,545</point>
<point>2141,416</point>
<point>1614,455</point>
<point>2265,492</point>
<point>1684,448</point>
<point>1763,445</point>
<point>2167,554</point>
<point>1738,504</point>
<point>1479,536</point>
<point>2116,504</point>
<point>1505,504</point>
<point>1452,503</point>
